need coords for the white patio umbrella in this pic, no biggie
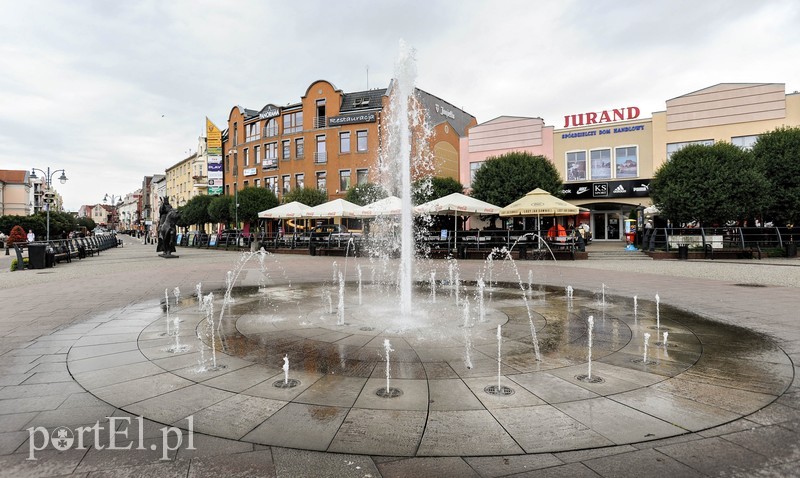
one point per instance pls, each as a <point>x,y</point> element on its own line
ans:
<point>335,208</point>
<point>459,205</point>
<point>388,206</point>
<point>290,210</point>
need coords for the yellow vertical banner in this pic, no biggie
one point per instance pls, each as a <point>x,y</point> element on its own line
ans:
<point>213,138</point>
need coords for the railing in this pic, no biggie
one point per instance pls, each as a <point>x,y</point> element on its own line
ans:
<point>320,158</point>
<point>320,122</point>
<point>719,238</point>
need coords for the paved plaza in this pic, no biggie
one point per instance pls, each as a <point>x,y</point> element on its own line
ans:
<point>85,343</point>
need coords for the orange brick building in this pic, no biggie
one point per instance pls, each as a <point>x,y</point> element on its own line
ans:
<point>329,140</point>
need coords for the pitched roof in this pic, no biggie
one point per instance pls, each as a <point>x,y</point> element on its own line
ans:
<point>13,176</point>
<point>362,100</point>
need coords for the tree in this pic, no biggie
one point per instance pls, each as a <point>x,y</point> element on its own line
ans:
<point>219,209</point>
<point>307,196</point>
<point>425,190</point>
<point>16,235</point>
<point>86,222</point>
<point>778,152</point>
<point>710,184</point>
<point>252,201</point>
<point>195,211</point>
<point>59,222</point>
<point>503,179</point>
<point>362,194</point>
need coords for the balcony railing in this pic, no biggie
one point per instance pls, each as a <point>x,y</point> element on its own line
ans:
<point>320,158</point>
<point>320,121</point>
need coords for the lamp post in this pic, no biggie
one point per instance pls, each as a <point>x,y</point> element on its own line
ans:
<point>48,196</point>
<point>114,213</point>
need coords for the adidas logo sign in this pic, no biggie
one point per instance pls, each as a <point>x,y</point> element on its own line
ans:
<point>619,190</point>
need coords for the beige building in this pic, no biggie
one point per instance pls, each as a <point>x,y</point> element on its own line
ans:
<point>15,193</point>
<point>179,181</point>
<point>736,113</point>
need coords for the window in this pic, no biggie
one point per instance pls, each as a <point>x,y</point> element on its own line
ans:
<point>576,166</point>
<point>256,152</point>
<point>320,155</point>
<point>344,142</point>
<point>322,181</point>
<point>245,184</point>
<point>271,128</point>
<point>745,142</point>
<point>675,147</point>
<point>361,141</point>
<point>344,180</point>
<point>473,168</point>
<point>293,122</point>
<point>270,156</point>
<point>285,146</point>
<point>286,179</point>
<point>235,134</point>
<point>257,183</point>
<point>246,157</point>
<point>299,180</point>
<point>626,161</point>
<point>600,163</point>
<point>299,145</point>
<point>252,131</point>
<point>271,183</point>
<point>362,176</point>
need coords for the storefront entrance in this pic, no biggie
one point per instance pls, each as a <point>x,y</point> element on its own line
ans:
<point>606,226</point>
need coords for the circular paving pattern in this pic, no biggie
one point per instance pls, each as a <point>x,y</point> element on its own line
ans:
<point>449,393</point>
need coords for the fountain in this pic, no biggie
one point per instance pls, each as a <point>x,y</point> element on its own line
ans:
<point>439,357</point>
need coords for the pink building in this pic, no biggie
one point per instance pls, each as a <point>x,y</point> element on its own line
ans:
<point>504,134</point>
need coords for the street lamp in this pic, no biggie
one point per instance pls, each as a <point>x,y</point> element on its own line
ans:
<point>114,214</point>
<point>48,196</point>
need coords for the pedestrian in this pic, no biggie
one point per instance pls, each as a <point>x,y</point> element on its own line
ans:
<point>31,236</point>
<point>649,237</point>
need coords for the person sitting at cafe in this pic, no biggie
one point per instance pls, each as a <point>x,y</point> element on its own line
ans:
<point>555,232</point>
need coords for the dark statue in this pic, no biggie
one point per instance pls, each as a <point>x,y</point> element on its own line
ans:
<point>167,232</point>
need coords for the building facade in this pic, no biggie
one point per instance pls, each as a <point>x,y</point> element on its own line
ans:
<point>329,140</point>
<point>15,193</point>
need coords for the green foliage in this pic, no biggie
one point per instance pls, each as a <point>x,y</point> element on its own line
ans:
<point>778,152</point>
<point>252,201</point>
<point>219,209</point>
<point>15,264</point>
<point>195,211</point>
<point>309,197</point>
<point>36,222</point>
<point>710,184</point>
<point>362,194</point>
<point>86,222</point>
<point>425,190</point>
<point>59,222</point>
<point>503,179</point>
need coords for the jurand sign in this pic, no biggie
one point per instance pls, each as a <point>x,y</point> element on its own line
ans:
<point>605,116</point>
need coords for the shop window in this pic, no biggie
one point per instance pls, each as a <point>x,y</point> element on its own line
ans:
<point>627,162</point>
<point>576,166</point>
<point>745,142</point>
<point>673,148</point>
<point>600,160</point>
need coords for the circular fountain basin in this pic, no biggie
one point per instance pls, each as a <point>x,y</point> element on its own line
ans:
<point>447,397</point>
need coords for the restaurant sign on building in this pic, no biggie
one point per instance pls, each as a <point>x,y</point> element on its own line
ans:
<point>352,119</point>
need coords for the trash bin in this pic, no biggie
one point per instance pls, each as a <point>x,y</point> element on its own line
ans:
<point>791,249</point>
<point>36,253</point>
<point>683,251</point>
<point>49,257</point>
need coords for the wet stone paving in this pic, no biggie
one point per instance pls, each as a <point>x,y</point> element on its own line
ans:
<point>301,367</point>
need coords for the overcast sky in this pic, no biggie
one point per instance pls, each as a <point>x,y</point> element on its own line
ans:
<point>112,91</point>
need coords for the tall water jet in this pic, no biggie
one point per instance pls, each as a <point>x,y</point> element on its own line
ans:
<point>388,392</point>
<point>340,309</point>
<point>658,312</point>
<point>589,358</point>
<point>481,305</point>
<point>635,307</point>
<point>286,369</point>
<point>198,289</point>
<point>646,341</point>
<point>433,286</point>
<point>499,354</point>
<point>358,268</point>
<point>166,304</point>
<point>664,342</point>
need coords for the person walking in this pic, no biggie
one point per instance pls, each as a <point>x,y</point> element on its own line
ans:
<point>31,236</point>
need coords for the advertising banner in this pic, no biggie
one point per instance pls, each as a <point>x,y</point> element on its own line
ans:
<point>213,139</point>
